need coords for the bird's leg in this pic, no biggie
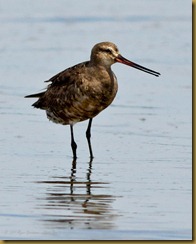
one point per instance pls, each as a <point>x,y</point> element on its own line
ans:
<point>88,136</point>
<point>73,144</point>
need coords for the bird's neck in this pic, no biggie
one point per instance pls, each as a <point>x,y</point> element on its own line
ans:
<point>100,64</point>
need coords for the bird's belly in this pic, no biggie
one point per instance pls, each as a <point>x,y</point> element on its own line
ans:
<point>79,110</point>
<point>82,105</point>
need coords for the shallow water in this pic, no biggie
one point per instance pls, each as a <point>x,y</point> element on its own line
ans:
<point>139,184</point>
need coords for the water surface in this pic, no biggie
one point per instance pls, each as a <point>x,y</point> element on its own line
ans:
<point>139,184</point>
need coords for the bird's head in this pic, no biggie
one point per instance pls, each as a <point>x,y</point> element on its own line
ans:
<point>107,53</point>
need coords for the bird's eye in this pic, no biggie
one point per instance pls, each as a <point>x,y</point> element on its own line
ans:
<point>108,51</point>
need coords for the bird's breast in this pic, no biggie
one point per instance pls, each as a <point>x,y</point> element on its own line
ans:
<point>102,87</point>
<point>84,98</point>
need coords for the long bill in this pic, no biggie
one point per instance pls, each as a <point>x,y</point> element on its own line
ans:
<point>123,60</point>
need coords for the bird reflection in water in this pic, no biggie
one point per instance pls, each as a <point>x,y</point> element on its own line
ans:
<point>71,202</point>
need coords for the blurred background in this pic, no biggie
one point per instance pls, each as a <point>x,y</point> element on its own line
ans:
<point>139,184</point>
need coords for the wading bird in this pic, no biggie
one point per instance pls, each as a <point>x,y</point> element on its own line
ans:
<point>81,92</point>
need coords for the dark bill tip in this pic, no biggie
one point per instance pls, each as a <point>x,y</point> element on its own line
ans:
<point>123,60</point>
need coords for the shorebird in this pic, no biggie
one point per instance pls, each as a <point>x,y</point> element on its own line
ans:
<point>81,92</point>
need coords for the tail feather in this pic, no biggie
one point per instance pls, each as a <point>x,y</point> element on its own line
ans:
<point>39,103</point>
<point>35,95</point>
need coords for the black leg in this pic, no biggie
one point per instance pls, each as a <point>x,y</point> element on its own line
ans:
<point>73,144</point>
<point>88,136</point>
